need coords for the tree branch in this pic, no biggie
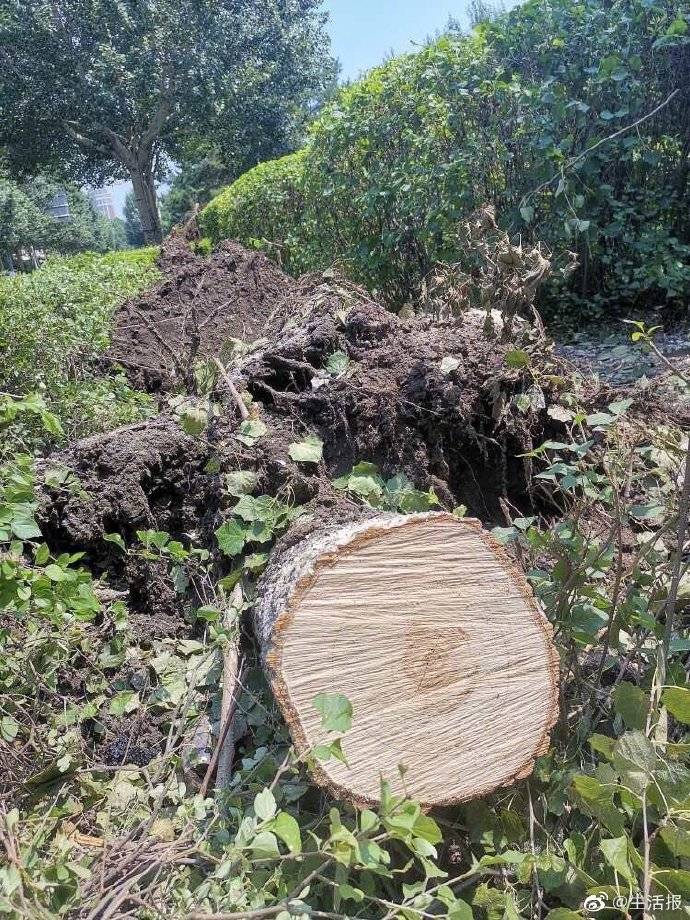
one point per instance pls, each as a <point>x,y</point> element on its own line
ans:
<point>156,125</point>
<point>573,161</point>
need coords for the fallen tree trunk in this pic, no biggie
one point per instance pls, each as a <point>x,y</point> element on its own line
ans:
<point>427,627</point>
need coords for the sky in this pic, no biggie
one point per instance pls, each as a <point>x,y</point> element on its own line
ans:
<point>365,32</point>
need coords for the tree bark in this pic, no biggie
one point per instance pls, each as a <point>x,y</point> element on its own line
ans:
<point>429,629</point>
<point>147,205</point>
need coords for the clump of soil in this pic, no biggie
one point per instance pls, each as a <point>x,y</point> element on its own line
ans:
<point>434,400</point>
<point>201,304</point>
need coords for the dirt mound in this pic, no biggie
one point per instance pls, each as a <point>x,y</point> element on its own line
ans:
<point>200,306</point>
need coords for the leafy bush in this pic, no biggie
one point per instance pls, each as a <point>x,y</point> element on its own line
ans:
<point>502,116</point>
<point>53,323</point>
<point>263,209</point>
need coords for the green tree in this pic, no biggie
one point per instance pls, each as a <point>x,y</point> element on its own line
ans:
<point>202,174</point>
<point>22,223</point>
<point>28,223</point>
<point>107,90</point>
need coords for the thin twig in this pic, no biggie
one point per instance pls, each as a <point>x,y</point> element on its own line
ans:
<point>231,668</point>
<point>604,140</point>
<point>244,412</point>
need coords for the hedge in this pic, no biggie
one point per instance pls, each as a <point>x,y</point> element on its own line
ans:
<point>262,209</point>
<point>501,116</point>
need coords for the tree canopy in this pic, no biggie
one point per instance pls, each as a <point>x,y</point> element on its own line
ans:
<point>103,90</point>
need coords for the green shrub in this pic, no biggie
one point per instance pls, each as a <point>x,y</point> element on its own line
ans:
<point>263,209</point>
<point>502,116</point>
<point>53,323</point>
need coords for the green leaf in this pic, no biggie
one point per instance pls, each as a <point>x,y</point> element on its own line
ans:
<point>231,537</point>
<point>250,431</point>
<point>55,573</point>
<point>287,828</point>
<point>632,704</point>
<point>9,728</point>
<point>603,744</point>
<point>460,910</point>
<point>308,451</point>
<point>678,27</point>
<point>427,829</point>
<point>615,851</point>
<point>116,539</point>
<point>24,527</point>
<point>600,419</point>
<point>527,213</point>
<point>348,893</point>
<point>338,363</point>
<point>264,805</point>
<point>265,845</point>
<point>518,357</point>
<point>336,711</point>
<point>677,701</point>
<point>646,512</point>
<point>635,759</point>
<point>241,482</point>
<point>562,913</point>
<point>194,421</point>
<point>597,800</point>
<point>122,702</point>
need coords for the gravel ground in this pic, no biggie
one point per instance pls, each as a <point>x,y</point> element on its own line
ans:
<point>616,359</point>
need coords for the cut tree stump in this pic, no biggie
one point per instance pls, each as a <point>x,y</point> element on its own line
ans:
<point>430,630</point>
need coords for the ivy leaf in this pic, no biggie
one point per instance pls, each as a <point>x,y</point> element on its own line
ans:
<point>336,711</point>
<point>241,482</point>
<point>677,701</point>
<point>288,830</point>
<point>231,537</point>
<point>264,805</point>
<point>308,451</point>
<point>615,852</point>
<point>338,363</point>
<point>632,704</point>
<point>250,431</point>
